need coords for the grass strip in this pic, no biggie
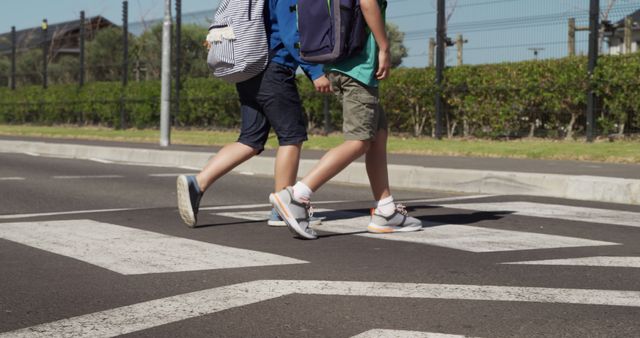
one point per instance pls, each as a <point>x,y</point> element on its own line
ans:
<point>601,151</point>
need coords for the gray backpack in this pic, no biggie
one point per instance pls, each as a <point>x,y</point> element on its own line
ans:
<point>239,46</point>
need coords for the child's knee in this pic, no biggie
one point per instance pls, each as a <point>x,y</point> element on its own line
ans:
<point>361,146</point>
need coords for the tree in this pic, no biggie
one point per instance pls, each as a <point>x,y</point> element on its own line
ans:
<point>104,55</point>
<point>5,68</point>
<point>194,54</point>
<point>396,39</point>
<point>29,67</point>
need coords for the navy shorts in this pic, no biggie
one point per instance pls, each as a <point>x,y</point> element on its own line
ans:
<point>268,100</point>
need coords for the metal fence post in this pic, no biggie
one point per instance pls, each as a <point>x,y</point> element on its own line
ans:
<point>432,48</point>
<point>441,32</point>
<point>178,59</point>
<point>82,34</point>
<point>14,41</point>
<point>572,37</point>
<point>594,23</point>
<point>125,60</point>
<point>165,93</point>
<point>45,52</point>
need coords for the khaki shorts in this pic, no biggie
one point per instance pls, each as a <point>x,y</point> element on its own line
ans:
<point>362,113</point>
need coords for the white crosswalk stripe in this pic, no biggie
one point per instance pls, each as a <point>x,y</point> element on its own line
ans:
<point>158,312</point>
<point>131,251</point>
<point>455,236</point>
<point>555,211</point>
<point>602,261</point>
<point>379,333</point>
<point>75,177</point>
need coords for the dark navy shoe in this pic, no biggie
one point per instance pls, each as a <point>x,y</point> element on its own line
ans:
<point>189,195</point>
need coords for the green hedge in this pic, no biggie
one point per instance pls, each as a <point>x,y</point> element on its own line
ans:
<point>533,98</point>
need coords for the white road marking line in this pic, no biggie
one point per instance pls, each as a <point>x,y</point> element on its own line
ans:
<point>603,261</point>
<point>60,213</point>
<point>252,206</point>
<point>248,215</point>
<point>555,211</point>
<point>86,177</point>
<point>31,154</point>
<point>448,199</point>
<point>454,236</point>
<point>99,160</point>
<point>379,333</point>
<point>168,175</point>
<point>132,251</point>
<point>261,215</point>
<point>12,178</point>
<point>190,167</point>
<point>163,311</point>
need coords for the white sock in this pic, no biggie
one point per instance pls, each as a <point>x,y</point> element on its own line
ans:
<point>301,192</point>
<point>386,206</point>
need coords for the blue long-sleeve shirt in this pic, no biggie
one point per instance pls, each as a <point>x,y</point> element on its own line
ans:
<point>282,31</point>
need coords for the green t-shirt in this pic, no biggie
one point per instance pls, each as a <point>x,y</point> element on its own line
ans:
<point>363,66</point>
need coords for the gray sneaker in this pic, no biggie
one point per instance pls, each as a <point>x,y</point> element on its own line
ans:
<point>294,213</point>
<point>189,196</point>
<point>399,221</point>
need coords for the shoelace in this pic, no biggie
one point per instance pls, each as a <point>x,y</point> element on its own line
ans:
<point>309,209</point>
<point>401,209</point>
<point>308,206</point>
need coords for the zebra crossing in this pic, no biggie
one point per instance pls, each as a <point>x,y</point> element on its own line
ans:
<point>130,251</point>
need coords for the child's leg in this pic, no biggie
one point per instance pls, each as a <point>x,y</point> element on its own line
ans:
<point>376,162</point>
<point>286,167</point>
<point>359,128</point>
<point>229,157</point>
<point>334,161</point>
<point>282,107</point>
<point>253,135</point>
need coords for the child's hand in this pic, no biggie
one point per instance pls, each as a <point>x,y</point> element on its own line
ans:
<point>206,44</point>
<point>322,84</point>
<point>384,64</point>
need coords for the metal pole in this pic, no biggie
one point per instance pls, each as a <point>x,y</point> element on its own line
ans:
<point>628,34</point>
<point>165,94</point>
<point>441,32</point>
<point>45,52</point>
<point>594,23</point>
<point>572,36</point>
<point>178,55</point>
<point>125,59</point>
<point>82,37</point>
<point>459,45</point>
<point>13,57</point>
<point>125,42</point>
<point>432,49</point>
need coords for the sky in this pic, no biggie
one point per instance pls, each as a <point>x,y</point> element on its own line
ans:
<point>496,30</point>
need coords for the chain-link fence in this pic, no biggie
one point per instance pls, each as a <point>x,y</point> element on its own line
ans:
<point>512,68</point>
<point>518,68</point>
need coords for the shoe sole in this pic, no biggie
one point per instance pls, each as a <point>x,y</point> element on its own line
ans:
<point>184,202</point>
<point>285,214</point>
<point>376,229</point>
<point>277,223</point>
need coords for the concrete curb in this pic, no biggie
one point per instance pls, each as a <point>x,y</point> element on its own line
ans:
<point>590,188</point>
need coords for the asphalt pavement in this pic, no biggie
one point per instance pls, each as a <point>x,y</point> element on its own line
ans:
<point>591,181</point>
<point>91,246</point>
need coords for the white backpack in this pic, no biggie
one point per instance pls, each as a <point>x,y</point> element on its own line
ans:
<point>239,46</point>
